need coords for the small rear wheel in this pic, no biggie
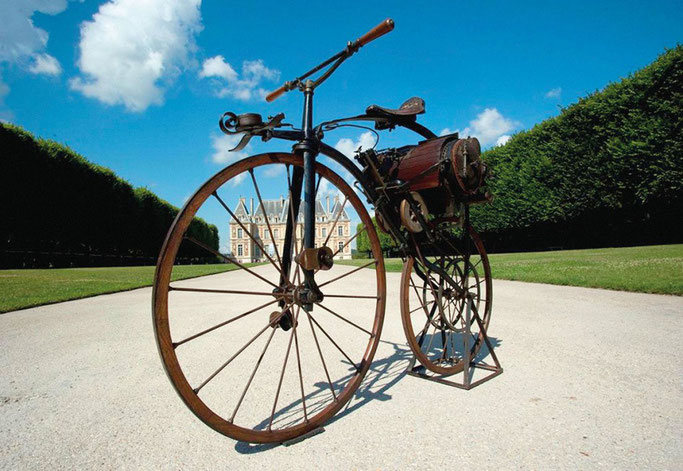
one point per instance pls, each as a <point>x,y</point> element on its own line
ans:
<point>433,309</point>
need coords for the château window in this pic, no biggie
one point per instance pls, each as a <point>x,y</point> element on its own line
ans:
<point>324,231</point>
<point>340,230</point>
<point>240,250</point>
<point>239,233</point>
<point>341,246</point>
<point>276,233</point>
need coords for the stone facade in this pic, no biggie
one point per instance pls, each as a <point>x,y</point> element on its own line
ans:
<point>244,249</point>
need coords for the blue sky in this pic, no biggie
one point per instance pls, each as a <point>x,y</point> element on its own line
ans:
<point>127,83</point>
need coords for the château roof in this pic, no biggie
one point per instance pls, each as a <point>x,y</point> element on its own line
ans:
<point>277,210</point>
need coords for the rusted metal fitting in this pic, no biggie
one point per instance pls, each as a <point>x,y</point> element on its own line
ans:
<point>315,258</point>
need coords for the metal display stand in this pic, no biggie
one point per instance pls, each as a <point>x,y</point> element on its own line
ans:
<point>420,371</point>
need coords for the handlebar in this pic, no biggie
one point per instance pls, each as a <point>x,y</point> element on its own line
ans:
<point>380,30</point>
<point>275,94</point>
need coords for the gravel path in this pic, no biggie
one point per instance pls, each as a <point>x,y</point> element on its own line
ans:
<point>593,379</point>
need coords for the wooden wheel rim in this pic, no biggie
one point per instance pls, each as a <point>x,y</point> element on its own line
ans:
<point>160,304</point>
<point>411,337</point>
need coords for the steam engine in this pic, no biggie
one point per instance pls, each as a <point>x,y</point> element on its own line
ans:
<point>435,178</point>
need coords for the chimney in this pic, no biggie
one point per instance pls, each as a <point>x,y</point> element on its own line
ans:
<point>282,200</point>
<point>251,206</point>
<point>328,203</point>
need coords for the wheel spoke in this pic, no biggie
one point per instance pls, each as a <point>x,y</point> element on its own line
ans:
<point>423,332</point>
<point>218,254</point>
<point>349,241</point>
<point>347,273</point>
<point>431,339</point>
<point>341,210</point>
<point>333,342</point>
<point>352,296</point>
<point>251,378</point>
<point>345,319</point>
<point>301,376</point>
<point>477,283</point>
<point>421,307</point>
<point>249,234</point>
<point>322,359</point>
<point>228,291</point>
<point>284,367</point>
<point>222,367</point>
<point>418,296</point>
<point>210,329</point>
<point>265,216</point>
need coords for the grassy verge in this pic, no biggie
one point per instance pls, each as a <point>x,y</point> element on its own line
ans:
<point>650,269</point>
<point>20,289</point>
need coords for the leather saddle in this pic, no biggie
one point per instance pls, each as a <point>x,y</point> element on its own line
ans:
<point>408,110</point>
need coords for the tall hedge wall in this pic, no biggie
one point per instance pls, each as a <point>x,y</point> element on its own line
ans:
<point>58,209</point>
<point>607,171</point>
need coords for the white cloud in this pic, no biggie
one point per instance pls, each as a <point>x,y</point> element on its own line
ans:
<point>217,67</point>
<point>490,126</point>
<point>19,37</point>
<point>222,143</point>
<point>131,50</point>
<point>554,93</point>
<point>21,42</point>
<point>5,114</point>
<point>502,140</point>
<point>4,90</point>
<point>274,170</point>
<point>45,64</point>
<point>349,147</point>
<point>244,86</point>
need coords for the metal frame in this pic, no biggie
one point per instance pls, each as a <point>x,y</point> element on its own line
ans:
<point>420,371</point>
<point>308,144</point>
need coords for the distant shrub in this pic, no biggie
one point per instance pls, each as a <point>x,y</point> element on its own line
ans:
<point>607,171</point>
<point>59,209</point>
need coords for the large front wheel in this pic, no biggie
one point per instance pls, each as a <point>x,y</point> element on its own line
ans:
<point>239,347</point>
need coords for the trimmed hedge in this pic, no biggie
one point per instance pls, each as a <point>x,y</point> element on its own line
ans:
<point>59,209</point>
<point>608,171</point>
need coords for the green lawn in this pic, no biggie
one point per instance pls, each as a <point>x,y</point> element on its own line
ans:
<point>653,269</point>
<point>25,288</point>
<point>650,269</point>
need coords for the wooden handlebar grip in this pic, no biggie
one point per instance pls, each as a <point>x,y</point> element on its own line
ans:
<point>275,94</point>
<point>380,30</point>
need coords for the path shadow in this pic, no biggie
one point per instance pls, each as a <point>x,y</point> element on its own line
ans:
<point>382,375</point>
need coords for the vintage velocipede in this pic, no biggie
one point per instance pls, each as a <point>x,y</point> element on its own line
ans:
<point>289,363</point>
